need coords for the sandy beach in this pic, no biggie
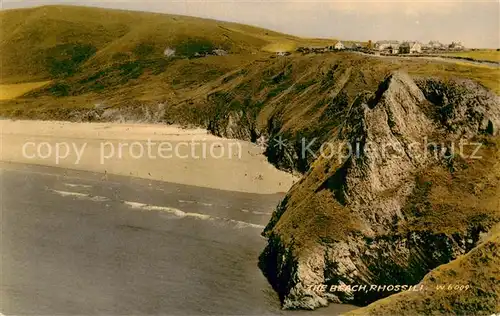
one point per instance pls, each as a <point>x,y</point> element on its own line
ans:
<point>157,152</point>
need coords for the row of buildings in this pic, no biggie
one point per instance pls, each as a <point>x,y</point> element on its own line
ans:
<point>413,47</point>
<point>336,46</point>
<point>385,47</point>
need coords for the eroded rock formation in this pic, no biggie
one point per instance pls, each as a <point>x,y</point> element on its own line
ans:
<point>412,200</point>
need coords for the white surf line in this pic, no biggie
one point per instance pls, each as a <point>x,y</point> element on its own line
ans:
<point>255,212</point>
<point>208,204</point>
<point>95,198</point>
<point>179,213</point>
<point>72,185</point>
<point>194,202</point>
<point>261,213</point>
<point>241,224</point>
<point>186,201</point>
<point>171,210</point>
<point>147,207</point>
<point>67,193</point>
<point>65,176</point>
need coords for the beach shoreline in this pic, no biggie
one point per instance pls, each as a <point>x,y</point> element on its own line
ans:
<point>151,151</point>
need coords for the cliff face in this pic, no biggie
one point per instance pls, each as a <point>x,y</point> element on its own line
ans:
<point>411,196</point>
<point>465,286</point>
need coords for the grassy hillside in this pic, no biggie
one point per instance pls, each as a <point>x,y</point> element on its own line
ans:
<point>57,41</point>
<point>486,54</point>
<point>302,95</point>
<point>94,55</point>
<point>11,91</point>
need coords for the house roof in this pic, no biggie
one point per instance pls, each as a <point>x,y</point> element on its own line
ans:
<point>387,42</point>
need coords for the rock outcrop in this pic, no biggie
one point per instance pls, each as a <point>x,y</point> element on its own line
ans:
<point>465,286</point>
<point>134,113</point>
<point>408,198</point>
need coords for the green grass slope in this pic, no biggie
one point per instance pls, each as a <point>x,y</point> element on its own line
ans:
<point>302,95</point>
<point>54,41</point>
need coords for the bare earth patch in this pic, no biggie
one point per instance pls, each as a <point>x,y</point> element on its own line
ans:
<point>12,91</point>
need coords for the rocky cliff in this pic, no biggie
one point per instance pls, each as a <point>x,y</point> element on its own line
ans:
<point>465,286</point>
<point>409,182</point>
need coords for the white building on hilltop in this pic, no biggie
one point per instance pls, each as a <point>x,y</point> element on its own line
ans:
<point>339,46</point>
<point>169,52</point>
